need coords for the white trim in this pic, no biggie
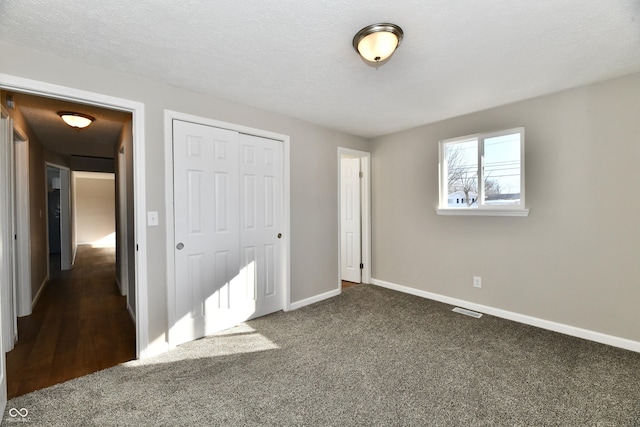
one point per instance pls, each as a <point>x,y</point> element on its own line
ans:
<point>366,220</point>
<point>140,230</point>
<point>122,222</point>
<point>84,244</point>
<point>500,210</point>
<point>156,348</point>
<point>39,88</point>
<point>23,223</point>
<point>65,214</point>
<point>7,241</point>
<point>314,299</point>
<point>74,218</point>
<point>39,293</point>
<point>131,314</point>
<point>286,222</point>
<point>119,285</point>
<point>169,117</point>
<point>365,210</point>
<point>47,248</point>
<point>169,223</point>
<point>517,317</point>
<point>483,212</point>
<point>65,220</point>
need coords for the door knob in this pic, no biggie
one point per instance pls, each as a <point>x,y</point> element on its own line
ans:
<point>179,246</point>
<point>279,235</point>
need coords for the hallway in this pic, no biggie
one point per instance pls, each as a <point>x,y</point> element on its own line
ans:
<point>80,325</point>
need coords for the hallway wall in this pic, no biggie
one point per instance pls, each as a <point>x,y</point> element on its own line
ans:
<point>37,197</point>
<point>95,208</point>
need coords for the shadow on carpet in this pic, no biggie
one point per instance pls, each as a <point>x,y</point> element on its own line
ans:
<point>370,356</point>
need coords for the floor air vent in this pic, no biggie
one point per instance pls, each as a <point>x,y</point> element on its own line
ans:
<point>467,312</point>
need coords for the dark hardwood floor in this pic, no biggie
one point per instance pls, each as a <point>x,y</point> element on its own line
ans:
<point>346,284</point>
<point>80,325</point>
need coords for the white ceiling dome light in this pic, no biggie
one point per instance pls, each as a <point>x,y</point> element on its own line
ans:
<point>76,120</point>
<point>377,42</point>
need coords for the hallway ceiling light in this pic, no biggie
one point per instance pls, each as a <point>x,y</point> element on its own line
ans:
<point>377,42</point>
<point>76,120</point>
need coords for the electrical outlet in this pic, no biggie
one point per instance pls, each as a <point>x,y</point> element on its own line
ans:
<point>477,281</point>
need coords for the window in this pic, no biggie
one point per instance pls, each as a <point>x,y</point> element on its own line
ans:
<point>483,174</point>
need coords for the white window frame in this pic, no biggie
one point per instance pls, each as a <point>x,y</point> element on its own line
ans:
<point>481,209</point>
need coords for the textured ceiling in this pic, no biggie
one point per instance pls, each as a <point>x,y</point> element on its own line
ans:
<point>295,57</point>
<point>97,140</point>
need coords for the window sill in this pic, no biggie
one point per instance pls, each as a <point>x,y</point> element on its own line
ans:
<point>483,212</point>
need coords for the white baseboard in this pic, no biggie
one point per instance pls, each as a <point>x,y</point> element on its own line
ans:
<point>155,349</point>
<point>119,285</point>
<point>133,316</point>
<point>37,297</point>
<point>122,289</point>
<point>312,300</point>
<point>516,317</point>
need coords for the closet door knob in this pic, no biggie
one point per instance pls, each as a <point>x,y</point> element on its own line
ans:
<point>179,246</point>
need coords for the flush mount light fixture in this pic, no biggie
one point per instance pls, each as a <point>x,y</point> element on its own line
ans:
<point>377,42</point>
<point>76,120</point>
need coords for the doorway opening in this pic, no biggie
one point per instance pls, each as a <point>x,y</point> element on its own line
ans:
<point>354,217</point>
<point>52,202</point>
<point>58,219</point>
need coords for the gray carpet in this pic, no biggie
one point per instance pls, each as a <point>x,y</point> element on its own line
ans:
<point>368,357</point>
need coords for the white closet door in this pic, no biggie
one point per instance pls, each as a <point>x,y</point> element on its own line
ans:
<point>227,199</point>
<point>261,221</point>
<point>206,226</point>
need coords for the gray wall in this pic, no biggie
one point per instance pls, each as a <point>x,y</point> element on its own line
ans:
<point>575,259</point>
<point>314,240</point>
<point>37,199</point>
<point>95,211</point>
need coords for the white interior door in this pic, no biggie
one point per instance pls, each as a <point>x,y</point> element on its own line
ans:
<point>350,228</point>
<point>218,268</point>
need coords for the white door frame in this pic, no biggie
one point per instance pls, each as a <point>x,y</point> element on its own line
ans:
<point>38,88</point>
<point>123,256</point>
<point>169,116</point>
<point>3,229</point>
<point>8,277</point>
<point>65,216</point>
<point>23,223</point>
<point>365,212</point>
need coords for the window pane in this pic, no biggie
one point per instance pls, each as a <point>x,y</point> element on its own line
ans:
<point>502,170</point>
<point>462,174</point>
